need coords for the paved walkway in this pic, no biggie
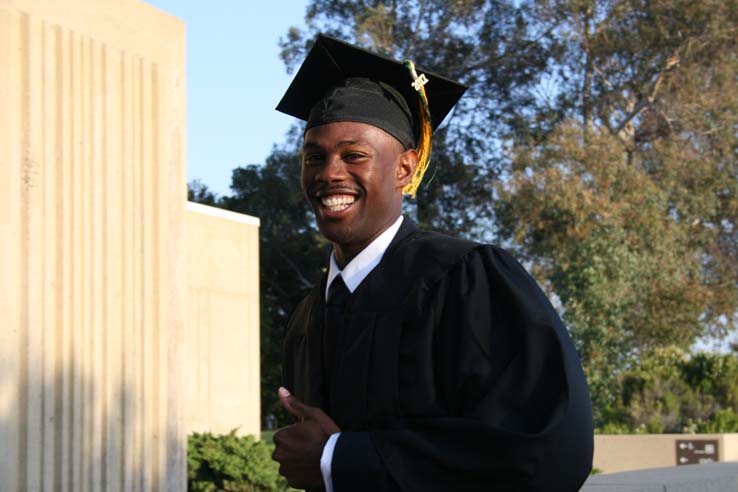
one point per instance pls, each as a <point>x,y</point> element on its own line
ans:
<point>711,477</point>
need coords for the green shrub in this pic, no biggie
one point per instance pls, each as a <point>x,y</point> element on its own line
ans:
<point>230,463</point>
<point>725,420</point>
<point>670,390</point>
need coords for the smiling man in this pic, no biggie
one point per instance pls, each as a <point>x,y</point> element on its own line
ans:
<point>353,174</point>
<point>421,362</point>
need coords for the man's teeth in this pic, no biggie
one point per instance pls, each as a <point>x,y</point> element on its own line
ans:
<point>336,203</point>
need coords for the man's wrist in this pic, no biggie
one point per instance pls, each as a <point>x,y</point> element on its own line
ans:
<point>326,460</point>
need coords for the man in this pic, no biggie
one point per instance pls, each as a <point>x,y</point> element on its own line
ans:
<point>421,362</point>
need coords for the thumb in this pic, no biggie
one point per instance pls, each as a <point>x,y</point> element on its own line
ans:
<point>293,405</point>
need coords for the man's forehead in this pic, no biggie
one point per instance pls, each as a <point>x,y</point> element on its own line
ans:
<point>345,133</point>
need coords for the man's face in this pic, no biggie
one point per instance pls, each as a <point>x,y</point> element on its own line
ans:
<point>352,176</point>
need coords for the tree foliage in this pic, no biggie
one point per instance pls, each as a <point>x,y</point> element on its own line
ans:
<point>231,463</point>
<point>669,391</point>
<point>198,192</point>
<point>628,207</point>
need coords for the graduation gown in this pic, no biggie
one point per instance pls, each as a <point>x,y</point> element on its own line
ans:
<point>452,372</point>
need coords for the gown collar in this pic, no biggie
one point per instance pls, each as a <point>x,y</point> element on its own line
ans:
<point>362,264</point>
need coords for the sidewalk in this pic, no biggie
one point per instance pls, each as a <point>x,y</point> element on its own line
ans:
<point>711,477</point>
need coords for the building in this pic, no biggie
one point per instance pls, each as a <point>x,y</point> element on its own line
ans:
<point>128,318</point>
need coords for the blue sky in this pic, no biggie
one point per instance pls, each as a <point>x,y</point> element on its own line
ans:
<point>235,78</point>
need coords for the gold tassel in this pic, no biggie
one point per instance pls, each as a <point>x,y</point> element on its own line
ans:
<point>426,131</point>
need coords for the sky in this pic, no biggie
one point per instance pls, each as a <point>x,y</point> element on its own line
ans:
<point>235,78</point>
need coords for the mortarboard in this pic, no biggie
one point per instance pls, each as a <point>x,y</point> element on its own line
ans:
<point>342,82</point>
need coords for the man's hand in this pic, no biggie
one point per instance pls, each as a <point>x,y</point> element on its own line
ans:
<point>298,447</point>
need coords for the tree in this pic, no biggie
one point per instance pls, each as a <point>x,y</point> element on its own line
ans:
<point>670,391</point>
<point>199,192</point>
<point>628,207</point>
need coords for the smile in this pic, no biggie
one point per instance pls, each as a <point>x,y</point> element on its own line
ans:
<point>337,203</point>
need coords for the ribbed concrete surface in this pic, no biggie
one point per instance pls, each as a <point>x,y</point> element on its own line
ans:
<point>92,194</point>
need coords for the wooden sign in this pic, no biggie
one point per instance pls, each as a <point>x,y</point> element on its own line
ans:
<point>696,451</point>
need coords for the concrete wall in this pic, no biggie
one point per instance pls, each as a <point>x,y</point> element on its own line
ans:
<point>92,203</point>
<point>222,341</point>
<point>615,453</point>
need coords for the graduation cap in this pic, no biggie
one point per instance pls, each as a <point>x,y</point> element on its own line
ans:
<point>342,82</point>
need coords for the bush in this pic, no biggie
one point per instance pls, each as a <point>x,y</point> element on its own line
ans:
<point>229,463</point>
<point>725,420</point>
<point>671,391</point>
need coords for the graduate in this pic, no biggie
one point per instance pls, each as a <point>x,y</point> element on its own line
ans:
<point>421,362</point>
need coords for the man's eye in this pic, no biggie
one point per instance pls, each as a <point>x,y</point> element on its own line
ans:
<point>352,156</point>
<point>312,158</point>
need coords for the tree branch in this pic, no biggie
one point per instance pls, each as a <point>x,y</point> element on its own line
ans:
<point>300,277</point>
<point>671,63</point>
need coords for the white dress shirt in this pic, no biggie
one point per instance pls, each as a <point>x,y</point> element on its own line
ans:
<point>353,274</point>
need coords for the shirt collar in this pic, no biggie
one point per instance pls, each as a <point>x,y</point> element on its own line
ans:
<point>362,264</point>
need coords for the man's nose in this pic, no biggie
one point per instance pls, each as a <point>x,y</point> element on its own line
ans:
<point>333,170</point>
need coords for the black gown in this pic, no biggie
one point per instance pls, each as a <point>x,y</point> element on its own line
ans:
<point>452,372</point>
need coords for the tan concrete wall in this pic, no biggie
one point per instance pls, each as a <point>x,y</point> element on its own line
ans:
<point>222,342</point>
<point>92,197</point>
<point>614,453</point>
<point>729,447</point>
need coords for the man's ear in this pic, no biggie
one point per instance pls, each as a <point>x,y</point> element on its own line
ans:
<point>407,162</point>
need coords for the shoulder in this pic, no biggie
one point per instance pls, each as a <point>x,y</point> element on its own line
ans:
<point>437,245</point>
<point>439,254</point>
<point>431,251</point>
<point>423,260</point>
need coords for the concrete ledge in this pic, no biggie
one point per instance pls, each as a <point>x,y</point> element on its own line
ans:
<point>710,477</point>
<point>223,214</point>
